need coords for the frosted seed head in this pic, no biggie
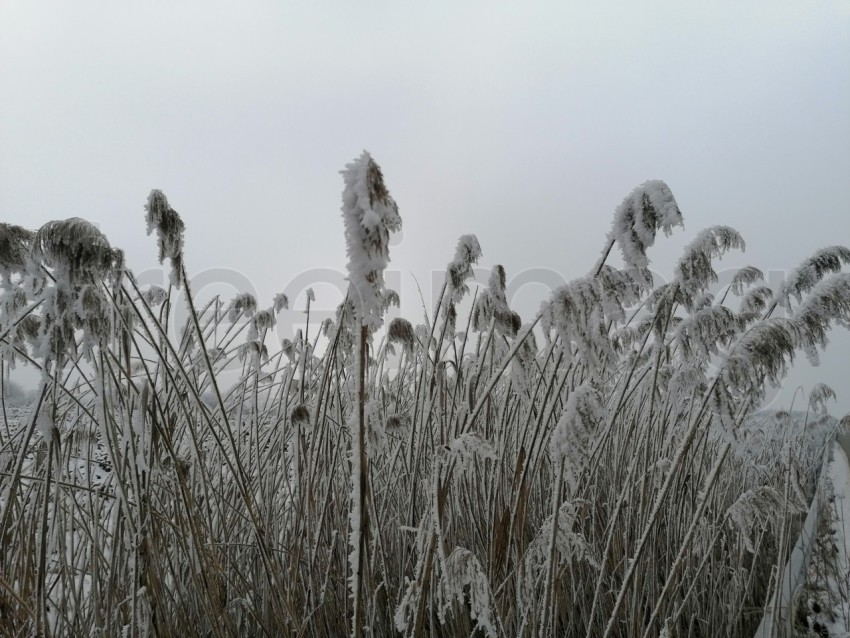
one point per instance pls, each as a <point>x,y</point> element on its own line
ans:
<point>497,279</point>
<point>369,215</point>
<point>576,428</point>
<point>253,353</point>
<point>756,299</point>
<point>459,270</point>
<point>28,327</point>
<point>391,298</point>
<point>288,349</point>
<point>808,274</point>
<point>15,247</point>
<point>397,422</point>
<point>648,208</point>
<point>482,312</point>
<point>169,227</point>
<point>76,248</point>
<point>264,320</point>
<point>281,302</point>
<point>820,394</point>
<point>828,302</point>
<point>154,296</point>
<point>300,414</point>
<point>695,271</point>
<point>401,331</point>
<point>744,278</point>
<point>242,304</point>
<point>451,318</point>
<point>468,250</point>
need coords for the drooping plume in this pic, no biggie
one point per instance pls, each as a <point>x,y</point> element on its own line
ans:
<point>459,270</point>
<point>15,246</point>
<point>695,272</point>
<point>806,276</point>
<point>76,249</point>
<point>827,303</point>
<point>647,209</point>
<point>169,231</point>
<point>573,436</point>
<point>80,259</point>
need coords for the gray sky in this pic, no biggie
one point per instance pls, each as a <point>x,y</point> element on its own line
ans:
<point>524,123</point>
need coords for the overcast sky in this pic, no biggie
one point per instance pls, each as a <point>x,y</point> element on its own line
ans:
<point>524,123</point>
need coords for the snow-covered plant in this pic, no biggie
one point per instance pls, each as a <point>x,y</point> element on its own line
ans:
<point>469,447</point>
<point>370,214</point>
<point>807,275</point>
<point>819,395</point>
<point>492,305</point>
<point>695,272</point>
<point>261,323</point>
<point>701,334</point>
<point>289,350</point>
<point>459,270</point>
<point>93,314</point>
<point>242,305</point>
<point>79,259</point>
<point>463,579</point>
<point>15,247</point>
<point>574,434</point>
<point>575,313</point>
<point>163,219</point>
<point>744,278</point>
<point>412,598</point>
<point>400,331</point>
<point>75,250</point>
<point>754,301</point>
<point>760,354</point>
<point>449,312</point>
<point>598,485</point>
<point>397,423</point>
<point>689,379</point>
<point>376,435</point>
<point>16,319</point>
<point>647,209</point>
<point>617,291</point>
<point>342,330</point>
<point>253,354</point>
<point>154,296</point>
<point>755,509</point>
<point>300,415</point>
<point>522,367</point>
<point>828,302</point>
<point>281,302</point>
<point>570,545</point>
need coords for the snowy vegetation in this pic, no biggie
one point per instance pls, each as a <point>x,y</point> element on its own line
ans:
<point>599,470</point>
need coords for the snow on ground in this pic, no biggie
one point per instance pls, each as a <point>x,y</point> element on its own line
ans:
<point>824,609</point>
<point>839,476</point>
<point>13,425</point>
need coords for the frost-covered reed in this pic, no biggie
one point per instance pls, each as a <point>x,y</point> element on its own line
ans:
<point>599,470</point>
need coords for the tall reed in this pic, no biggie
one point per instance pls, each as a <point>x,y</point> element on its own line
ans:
<point>600,470</point>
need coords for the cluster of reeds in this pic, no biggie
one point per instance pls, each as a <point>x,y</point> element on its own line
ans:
<point>595,471</point>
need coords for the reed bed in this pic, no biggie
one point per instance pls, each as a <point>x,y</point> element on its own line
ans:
<point>599,470</point>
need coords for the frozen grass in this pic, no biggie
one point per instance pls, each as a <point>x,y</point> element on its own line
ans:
<point>612,481</point>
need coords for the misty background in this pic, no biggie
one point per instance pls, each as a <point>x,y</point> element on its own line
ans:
<point>525,124</point>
